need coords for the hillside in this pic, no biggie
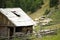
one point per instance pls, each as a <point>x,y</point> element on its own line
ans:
<point>40,11</point>
<point>55,16</point>
<point>56,25</point>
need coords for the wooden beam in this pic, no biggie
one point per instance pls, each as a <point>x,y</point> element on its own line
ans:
<point>14,32</point>
<point>8,33</point>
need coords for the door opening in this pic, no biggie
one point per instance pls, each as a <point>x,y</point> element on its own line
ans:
<point>11,31</point>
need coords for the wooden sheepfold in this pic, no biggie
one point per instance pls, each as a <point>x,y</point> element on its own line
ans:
<point>14,21</point>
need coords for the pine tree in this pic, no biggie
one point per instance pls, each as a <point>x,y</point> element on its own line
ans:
<point>26,5</point>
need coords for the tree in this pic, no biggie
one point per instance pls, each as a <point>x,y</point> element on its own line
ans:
<point>53,3</point>
<point>26,5</point>
<point>2,3</point>
<point>9,4</point>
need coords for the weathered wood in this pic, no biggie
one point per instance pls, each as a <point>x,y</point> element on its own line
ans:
<point>14,32</point>
<point>4,21</point>
<point>3,31</point>
<point>8,33</point>
<point>2,37</point>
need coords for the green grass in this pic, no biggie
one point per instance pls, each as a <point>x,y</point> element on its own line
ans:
<point>56,20</point>
<point>48,37</point>
<point>56,16</point>
<point>40,11</point>
<point>52,37</point>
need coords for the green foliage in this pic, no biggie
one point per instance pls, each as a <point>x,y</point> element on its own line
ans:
<point>10,4</point>
<point>29,5</point>
<point>2,3</point>
<point>26,5</point>
<point>53,3</point>
<point>47,12</point>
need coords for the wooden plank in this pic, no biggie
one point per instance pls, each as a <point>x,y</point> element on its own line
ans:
<point>8,33</point>
<point>14,32</point>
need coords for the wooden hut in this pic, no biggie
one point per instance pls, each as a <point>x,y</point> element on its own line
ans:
<point>14,21</point>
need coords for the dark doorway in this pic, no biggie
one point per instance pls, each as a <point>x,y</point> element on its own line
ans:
<point>11,31</point>
<point>18,29</point>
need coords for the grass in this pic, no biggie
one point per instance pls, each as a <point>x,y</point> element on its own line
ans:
<point>40,11</point>
<point>56,20</point>
<point>56,16</point>
<point>49,37</point>
<point>52,37</point>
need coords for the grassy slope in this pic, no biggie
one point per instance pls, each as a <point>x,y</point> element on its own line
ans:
<point>56,20</point>
<point>52,37</point>
<point>41,11</point>
<point>56,17</point>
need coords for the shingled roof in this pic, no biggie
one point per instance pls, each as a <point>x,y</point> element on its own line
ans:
<point>17,16</point>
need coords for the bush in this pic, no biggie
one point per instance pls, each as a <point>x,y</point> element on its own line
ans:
<point>47,12</point>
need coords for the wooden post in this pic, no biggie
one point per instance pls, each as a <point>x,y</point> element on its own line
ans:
<point>8,33</point>
<point>14,33</point>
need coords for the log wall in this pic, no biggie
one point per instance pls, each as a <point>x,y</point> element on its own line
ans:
<point>3,31</point>
<point>4,21</point>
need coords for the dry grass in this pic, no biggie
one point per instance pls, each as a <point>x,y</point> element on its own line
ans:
<point>41,11</point>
